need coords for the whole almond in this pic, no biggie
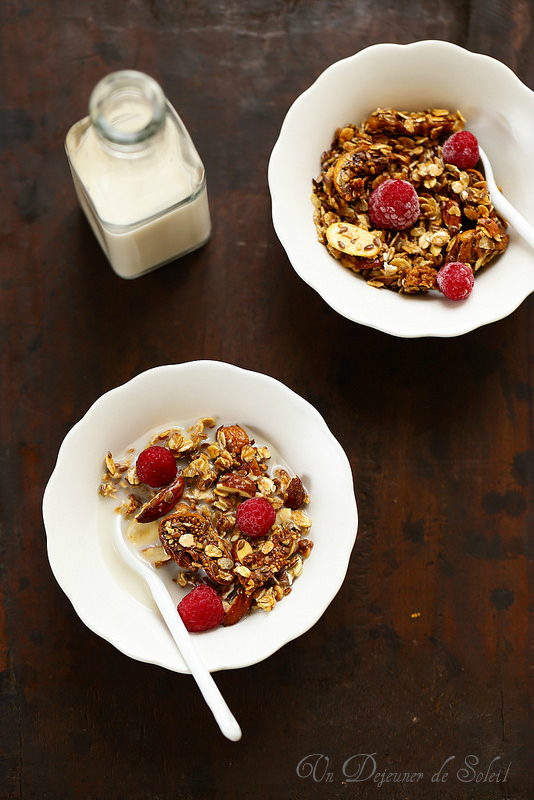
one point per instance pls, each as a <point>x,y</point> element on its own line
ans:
<point>295,493</point>
<point>233,483</point>
<point>162,502</point>
<point>238,608</point>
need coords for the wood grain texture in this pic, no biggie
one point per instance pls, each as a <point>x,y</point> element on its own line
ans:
<point>426,653</point>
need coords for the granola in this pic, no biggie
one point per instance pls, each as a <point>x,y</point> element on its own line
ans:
<point>197,531</point>
<point>457,220</point>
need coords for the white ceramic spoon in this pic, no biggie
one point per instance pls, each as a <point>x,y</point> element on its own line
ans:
<point>210,691</point>
<point>503,206</point>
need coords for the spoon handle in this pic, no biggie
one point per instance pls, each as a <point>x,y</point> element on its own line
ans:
<point>209,689</point>
<point>513,217</point>
<point>504,207</point>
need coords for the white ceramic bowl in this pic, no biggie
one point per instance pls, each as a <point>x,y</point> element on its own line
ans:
<point>79,523</point>
<point>499,109</point>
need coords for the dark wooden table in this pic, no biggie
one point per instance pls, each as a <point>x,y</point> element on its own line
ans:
<point>426,654</point>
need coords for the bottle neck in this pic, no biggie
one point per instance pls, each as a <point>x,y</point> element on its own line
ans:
<point>127,110</point>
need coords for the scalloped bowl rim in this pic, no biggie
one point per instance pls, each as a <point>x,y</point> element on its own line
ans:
<point>335,98</point>
<point>79,546</point>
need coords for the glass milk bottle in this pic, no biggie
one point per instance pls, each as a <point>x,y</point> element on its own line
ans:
<point>138,176</point>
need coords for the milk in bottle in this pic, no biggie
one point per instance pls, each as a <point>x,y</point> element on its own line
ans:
<point>138,176</point>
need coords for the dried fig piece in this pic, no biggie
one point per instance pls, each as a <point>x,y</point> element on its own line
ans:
<point>190,540</point>
<point>262,564</point>
<point>186,524</point>
<point>352,170</point>
<point>163,502</point>
<point>233,438</point>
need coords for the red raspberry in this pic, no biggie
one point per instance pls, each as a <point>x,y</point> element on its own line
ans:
<point>156,466</point>
<point>456,280</point>
<point>201,609</point>
<point>394,204</point>
<point>255,517</point>
<point>461,149</point>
